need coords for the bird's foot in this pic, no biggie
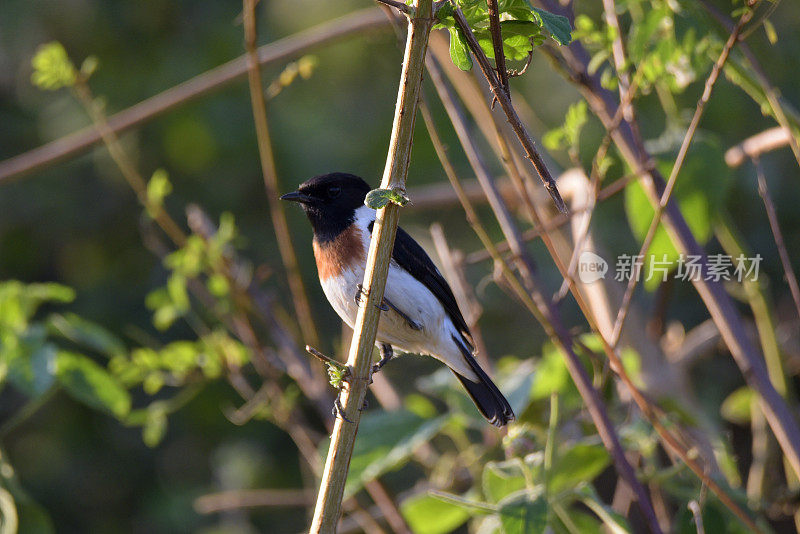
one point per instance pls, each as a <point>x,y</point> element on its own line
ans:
<point>361,292</point>
<point>386,355</point>
<point>338,410</point>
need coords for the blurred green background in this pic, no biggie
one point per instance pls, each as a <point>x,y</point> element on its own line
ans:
<point>78,223</point>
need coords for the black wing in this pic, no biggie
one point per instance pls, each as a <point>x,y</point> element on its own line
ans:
<point>413,258</point>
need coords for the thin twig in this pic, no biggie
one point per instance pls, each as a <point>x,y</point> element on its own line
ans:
<point>772,216</point>
<point>687,141</point>
<point>328,508</point>
<point>283,50</point>
<point>404,8</point>
<point>758,144</point>
<point>238,499</point>
<point>508,108</point>
<point>271,183</point>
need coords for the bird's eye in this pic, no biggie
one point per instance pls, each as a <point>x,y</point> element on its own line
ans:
<point>334,191</point>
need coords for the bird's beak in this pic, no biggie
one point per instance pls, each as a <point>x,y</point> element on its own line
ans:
<point>297,196</point>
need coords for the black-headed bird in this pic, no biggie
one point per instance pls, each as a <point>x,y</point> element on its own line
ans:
<point>420,314</point>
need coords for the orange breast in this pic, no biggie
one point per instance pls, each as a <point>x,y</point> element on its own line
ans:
<point>343,252</point>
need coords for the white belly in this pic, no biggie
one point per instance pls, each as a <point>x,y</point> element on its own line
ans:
<point>416,301</point>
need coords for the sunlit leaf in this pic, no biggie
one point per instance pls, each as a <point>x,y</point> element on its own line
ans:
<point>428,515</point>
<point>459,51</point>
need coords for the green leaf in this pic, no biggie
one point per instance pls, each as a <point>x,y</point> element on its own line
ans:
<point>428,515</point>
<point>158,188</point>
<point>517,35</point>
<point>385,441</point>
<point>91,384</point>
<point>52,68</point>
<point>581,463</point>
<point>379,198</point>
<point>524,512</point>
<point>85,332</point>
<point>502,478</point>
<point>736,407</point>
<point>459,51</point>
<point>557,25</point>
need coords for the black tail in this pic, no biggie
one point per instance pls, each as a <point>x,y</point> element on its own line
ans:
<point>490,402</point>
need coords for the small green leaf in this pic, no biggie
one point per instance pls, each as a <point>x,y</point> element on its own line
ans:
<point>557,25</point>
<point>428,515</point>
<point>158,188</point>
<point>52,68</point>
<point>769,29</point>
<point>459,51</point>
<point>379,198</point>
<point>581,463</point>
<point>91,384</point>
<point>736,407</point>
<point>524,512</point>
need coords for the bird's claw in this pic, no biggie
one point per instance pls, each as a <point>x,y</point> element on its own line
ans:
<point>338,410</point>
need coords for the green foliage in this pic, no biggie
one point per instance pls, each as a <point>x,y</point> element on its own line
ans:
<point>158,188</point>
<point>52,68</point>
<point>379,198</point>
<point>197,258</point>
<point>426,514</point>
<point>736,407</point>
<point>522,28</point>
<point>568,135</point>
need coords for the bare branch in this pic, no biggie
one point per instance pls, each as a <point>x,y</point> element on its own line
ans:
<point>271,183</point>
<point>760,143</point>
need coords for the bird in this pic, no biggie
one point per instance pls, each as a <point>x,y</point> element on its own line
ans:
<point>419,311</point>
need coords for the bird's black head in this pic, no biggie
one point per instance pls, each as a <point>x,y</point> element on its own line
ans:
<point>330,202</point>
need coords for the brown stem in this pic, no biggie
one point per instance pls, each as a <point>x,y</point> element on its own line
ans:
<point>497,44</point>
<point>271,183</point>
<point>328,508</point>
<point>772,216</point>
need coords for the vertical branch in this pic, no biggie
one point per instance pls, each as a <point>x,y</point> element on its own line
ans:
<point>497,43</point>
<point>328,507</point>
<point>296,286</point>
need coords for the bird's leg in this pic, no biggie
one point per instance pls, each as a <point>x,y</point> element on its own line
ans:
<point>360,291</point>
<point>338,410</point>
<point>411,322</point>
<point>386,355</point>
